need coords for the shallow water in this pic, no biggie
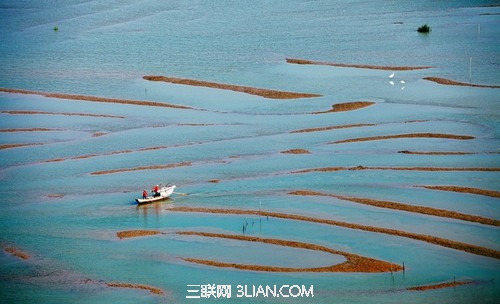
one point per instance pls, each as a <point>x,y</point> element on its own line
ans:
<point>66,218</point>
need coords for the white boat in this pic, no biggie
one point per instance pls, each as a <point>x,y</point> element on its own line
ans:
<point>163,193</point>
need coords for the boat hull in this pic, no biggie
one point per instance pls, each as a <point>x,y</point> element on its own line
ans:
<point>165,193</point>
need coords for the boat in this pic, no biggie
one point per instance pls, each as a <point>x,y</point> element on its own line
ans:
<point>159,193</point>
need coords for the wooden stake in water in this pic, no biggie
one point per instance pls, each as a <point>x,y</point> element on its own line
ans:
<point>260,218</point>
<point>470,70</point>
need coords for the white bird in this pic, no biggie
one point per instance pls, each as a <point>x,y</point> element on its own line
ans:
<point>392,75</point>
<point>403,82</point>
<point>391,83</point>
<point>402,88</point>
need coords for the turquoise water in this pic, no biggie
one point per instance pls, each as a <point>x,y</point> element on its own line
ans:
<point>66,218</point>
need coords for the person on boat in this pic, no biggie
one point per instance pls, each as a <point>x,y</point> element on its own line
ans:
<point>156,190</point>
<point>144,194</point>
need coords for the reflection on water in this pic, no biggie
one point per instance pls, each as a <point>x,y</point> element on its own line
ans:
<point>154,209</point>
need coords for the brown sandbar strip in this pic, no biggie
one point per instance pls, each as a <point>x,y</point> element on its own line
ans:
<point>17,252</point>
<point>154,290</point>
<point>21,112</point>
<point>359,66</point>
<point>28,130</point>
<point>445,81</point>
<point>404,207</point>
<point>445,169</point>
<point>108,153</point>
<point>98,134</point>
<point>354,263</point>
<point>296,151</point>
<point>350,126</point>
<point>10,146</point>
<point>97,99</point>
<point>477,191</point>
<point>196,124</point>
<point>409,135</point>
<point>435,153</point>
<point>248,90</point>
<point>135,233</point>
<point>116,152</point>
<point>440,285</point>
<point>157,167</point>
<point>332,128</point>
<point>347,106</point>
<point>474,249</point>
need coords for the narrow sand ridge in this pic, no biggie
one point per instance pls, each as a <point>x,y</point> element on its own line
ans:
<point>474,249</point>
<point>10,146</point>
<point>328,128</point>
<point>22,112</point>
<point>359,66</point>
<point>61,159</point>
<point>17,252</point>
<point>55,195</point>
<point>435,153</point>
<point>109,153</point>
<point>470,190</point>
<point>409,135</point>
<point>445,81</point>
<point>151,289</point>
<point>296,151</point>
<point>98,134</point>
<point>98,99</point>
<point>29,130</point>
<point>273,94</point>
<point>332,128</point>
<point>136,233</point>
<point>354,263</point>
<point>443,169</point>
<point>440,285</point>
<point>157,167</point>
<point>347,106</point>
<point>404,207</point>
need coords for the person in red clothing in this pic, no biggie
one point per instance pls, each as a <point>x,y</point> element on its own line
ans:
<point>144,194</point>
<point>156,190</point>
